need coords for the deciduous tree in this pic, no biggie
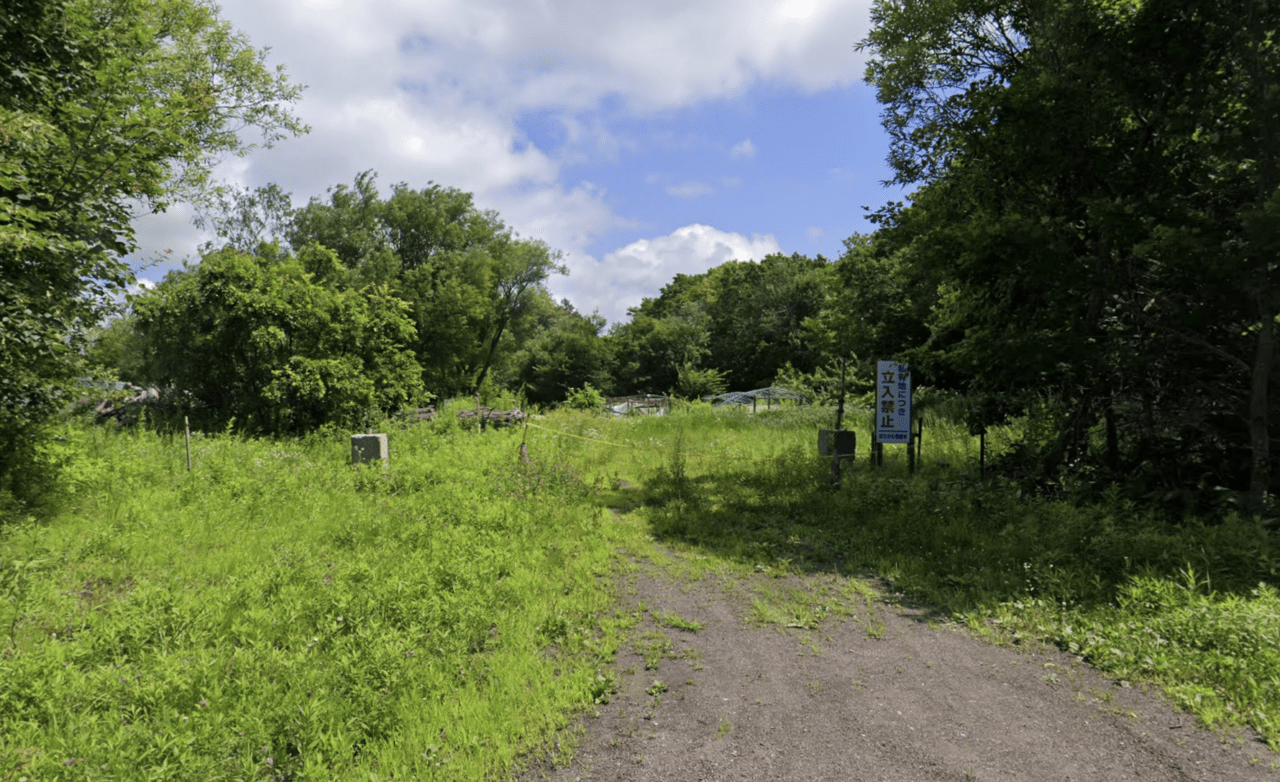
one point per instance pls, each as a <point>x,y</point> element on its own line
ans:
<point>106,107</point>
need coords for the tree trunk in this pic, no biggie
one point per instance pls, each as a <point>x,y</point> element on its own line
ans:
<point>488,359</point>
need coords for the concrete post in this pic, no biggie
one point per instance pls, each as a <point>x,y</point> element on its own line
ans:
<point>369,448</point>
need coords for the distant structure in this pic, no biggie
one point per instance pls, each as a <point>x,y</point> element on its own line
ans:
<point>751,397</point>
<point>638,404</point>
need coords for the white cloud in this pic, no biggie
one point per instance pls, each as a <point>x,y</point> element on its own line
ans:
<point>165,239</point>
<point>815,232</point>
<point>799,9</point>
<point>433,91</point>
<point>627,275</point>
<point>689,190</point>
<point>743,149</point>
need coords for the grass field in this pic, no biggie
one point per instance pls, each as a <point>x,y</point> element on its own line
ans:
<point>278,614</point>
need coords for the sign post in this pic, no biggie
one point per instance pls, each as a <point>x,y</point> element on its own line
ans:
<point>893,403</point>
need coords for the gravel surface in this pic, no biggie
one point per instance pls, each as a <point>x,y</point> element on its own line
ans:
<point>924,701</point>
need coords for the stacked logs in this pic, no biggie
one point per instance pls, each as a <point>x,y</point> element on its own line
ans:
<point>494,417</point>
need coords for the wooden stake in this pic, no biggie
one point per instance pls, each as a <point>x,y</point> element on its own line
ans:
<point>186,425</point>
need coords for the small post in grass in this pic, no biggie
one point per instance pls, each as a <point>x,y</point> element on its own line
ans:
<point>919,436</point>
<point>186,425</point>
<point>982,453</point>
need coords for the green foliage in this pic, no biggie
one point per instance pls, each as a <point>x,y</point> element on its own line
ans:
<point>585,398</point>
<point>1085,235</point>
<point>116,349</point>
<point>565,351</point>
<point>261,342</point>
<point>693,383</point>
<point>468,280</point>
<point>650,350</point>
<point>1213,653</point>
<point>276,613</point>
<point>672,619</point>
<point>741,320</point>
<point>876,310</point>
<point>102,105</point>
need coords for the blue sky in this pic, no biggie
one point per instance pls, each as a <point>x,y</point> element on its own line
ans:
<point>641,140</point>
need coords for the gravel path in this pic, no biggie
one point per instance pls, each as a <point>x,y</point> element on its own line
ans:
<point>924,701</point>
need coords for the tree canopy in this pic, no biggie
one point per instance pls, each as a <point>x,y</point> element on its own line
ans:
<point>106,106</point>
<point>1096,208</point>
<point>467,278</point>
<point>260,341</point>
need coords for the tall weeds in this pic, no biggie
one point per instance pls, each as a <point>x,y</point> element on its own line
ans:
<point>277,613</point>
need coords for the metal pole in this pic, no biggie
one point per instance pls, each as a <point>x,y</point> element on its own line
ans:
<point>186,425</point>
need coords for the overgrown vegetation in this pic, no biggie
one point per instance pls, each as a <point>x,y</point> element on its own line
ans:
<point>277,613</point>
<point>1190,606</point>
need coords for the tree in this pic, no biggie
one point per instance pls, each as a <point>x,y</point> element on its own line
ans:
<point>259,340</point>
<point>566,351</point>
<point>650,350</point>
<point>1094,180</point>
<point>743,319</point>
<point>104,104</point>
<point>758,311</point>
<point>467,279</point>
<point>876,307</point>
<point>520,267</point>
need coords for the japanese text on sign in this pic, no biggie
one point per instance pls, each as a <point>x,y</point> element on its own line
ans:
<point>893,402</point>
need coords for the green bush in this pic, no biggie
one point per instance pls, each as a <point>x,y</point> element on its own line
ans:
<point>586,398</point>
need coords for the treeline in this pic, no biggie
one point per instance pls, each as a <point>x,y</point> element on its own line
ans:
<point>1094,238</point>
<point>354,307</point>
<point>1091,247</point>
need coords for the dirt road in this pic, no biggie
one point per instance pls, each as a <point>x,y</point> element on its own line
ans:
<point>922,701</point>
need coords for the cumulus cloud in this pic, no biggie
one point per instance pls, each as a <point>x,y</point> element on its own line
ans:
<point>625,276</point>
<point>689,190</point>
<point>433,91</point>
